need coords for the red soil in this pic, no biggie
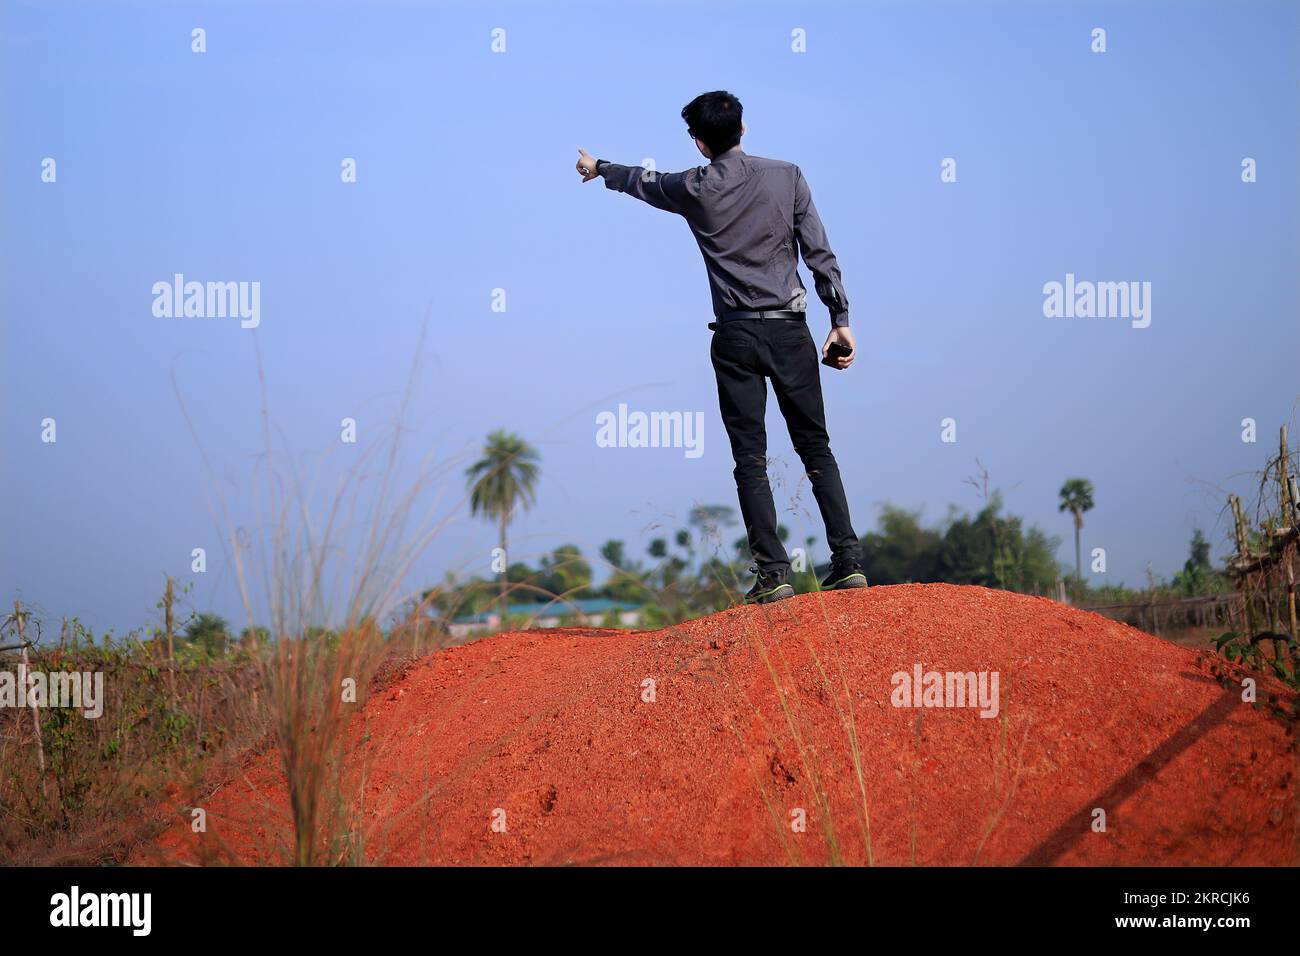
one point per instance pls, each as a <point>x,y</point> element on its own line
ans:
<point>551,727</point>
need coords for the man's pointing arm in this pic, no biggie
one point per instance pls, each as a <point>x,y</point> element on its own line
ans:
<point>667,191</point>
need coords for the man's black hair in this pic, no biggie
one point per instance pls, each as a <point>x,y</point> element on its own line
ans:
<point>714,119</point>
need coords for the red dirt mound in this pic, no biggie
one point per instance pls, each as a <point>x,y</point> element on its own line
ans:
<point>711,742</point>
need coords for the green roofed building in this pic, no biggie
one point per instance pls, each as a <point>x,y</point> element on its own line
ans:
<point>592,612</point>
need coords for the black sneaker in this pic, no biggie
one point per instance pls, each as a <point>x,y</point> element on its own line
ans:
<point>844,576</point>
<point>770,586</point>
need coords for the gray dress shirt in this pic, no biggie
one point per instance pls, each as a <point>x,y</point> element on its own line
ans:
<point>749,215</point>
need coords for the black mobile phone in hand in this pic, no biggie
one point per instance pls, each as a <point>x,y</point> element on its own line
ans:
<point>835,353</point>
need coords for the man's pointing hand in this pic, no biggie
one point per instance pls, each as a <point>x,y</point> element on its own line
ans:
<point>586,166</point>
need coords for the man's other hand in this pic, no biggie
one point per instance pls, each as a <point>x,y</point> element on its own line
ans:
<point>586,166</point>
<point>844,336</point>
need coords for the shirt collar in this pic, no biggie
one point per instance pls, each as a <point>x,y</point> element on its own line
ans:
<point>734,151</point>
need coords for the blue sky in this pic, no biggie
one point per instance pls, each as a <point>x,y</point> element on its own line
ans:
<point>225,166</point>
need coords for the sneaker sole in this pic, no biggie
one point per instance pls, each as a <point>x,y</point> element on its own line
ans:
<point>776,594</point>
<point>857,580</point>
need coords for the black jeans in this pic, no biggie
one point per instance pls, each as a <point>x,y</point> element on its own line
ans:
<point>745,353</point>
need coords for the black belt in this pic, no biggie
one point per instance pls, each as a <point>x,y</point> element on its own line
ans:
<point>788,314</point>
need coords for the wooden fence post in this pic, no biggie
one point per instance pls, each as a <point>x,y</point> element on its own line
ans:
<point>36,714</point>
<point>1243,556</point>
<point>1286,495</point>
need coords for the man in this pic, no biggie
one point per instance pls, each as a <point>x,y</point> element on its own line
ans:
<point>749,216</point>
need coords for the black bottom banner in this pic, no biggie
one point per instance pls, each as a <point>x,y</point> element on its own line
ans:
<point>241,906</point>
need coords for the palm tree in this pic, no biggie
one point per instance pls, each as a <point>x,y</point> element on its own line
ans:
<point>1076,498</point>
<point>504,478</point>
